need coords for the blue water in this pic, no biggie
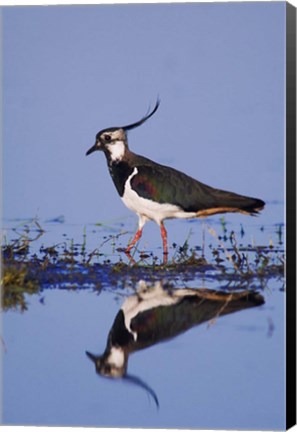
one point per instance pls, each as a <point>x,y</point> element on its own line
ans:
<point>107,236</point>
<point>226,374</point>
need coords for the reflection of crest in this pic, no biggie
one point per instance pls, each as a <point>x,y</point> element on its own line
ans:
<point>155,314</point>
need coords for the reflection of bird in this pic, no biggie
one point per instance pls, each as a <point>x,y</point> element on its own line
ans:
<point>157,192</point>
<point>155,314</point>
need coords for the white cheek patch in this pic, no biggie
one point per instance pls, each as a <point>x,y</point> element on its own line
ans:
<point>116,357</point>
<point>116,150</point>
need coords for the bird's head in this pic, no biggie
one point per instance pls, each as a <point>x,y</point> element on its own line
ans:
<point>113,141</point>
<point>111,364</point>
<point>106,366</point>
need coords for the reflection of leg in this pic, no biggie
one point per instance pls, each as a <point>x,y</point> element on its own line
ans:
<point>164,239</point>
<point>130,258</point>
<point>134,241</point>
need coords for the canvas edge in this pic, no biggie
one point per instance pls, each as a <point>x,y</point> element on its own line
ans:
<point>291,215</point>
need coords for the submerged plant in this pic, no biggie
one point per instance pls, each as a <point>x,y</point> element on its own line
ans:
<point>16,283</point>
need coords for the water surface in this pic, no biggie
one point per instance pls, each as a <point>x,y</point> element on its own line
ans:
<point>226,373</point>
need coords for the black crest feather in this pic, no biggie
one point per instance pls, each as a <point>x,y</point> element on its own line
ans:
<point>144,119</point>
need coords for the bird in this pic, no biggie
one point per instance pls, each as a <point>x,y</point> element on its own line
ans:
<point>157,192</point>
<point>156,313</point>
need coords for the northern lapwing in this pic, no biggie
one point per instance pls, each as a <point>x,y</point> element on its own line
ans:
<point>157,192</point>
<point>156,314</point>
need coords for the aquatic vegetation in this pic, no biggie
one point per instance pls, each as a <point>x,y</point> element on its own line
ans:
<point>16,283</point>
<point>69,264</point>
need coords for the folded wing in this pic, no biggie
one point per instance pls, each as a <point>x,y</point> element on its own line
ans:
<point>167,185</point>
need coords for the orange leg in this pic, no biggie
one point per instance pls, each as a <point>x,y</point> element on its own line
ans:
<point>164,239</point>
<point>134,241</point>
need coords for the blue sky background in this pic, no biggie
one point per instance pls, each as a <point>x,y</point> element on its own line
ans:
<point>69,72</point>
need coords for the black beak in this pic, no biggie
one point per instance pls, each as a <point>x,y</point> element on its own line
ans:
<point>92,149</point>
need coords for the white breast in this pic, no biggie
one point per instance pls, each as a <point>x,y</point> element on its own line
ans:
<point>146,300</point>
<point>150,209</point>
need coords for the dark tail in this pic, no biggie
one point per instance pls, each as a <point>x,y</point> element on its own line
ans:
<point>220,201</point>
<point>253,205</point>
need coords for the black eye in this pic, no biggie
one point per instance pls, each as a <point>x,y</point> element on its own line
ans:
<point>107,137</point>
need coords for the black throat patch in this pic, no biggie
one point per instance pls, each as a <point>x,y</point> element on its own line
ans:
<point>120,172</point>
